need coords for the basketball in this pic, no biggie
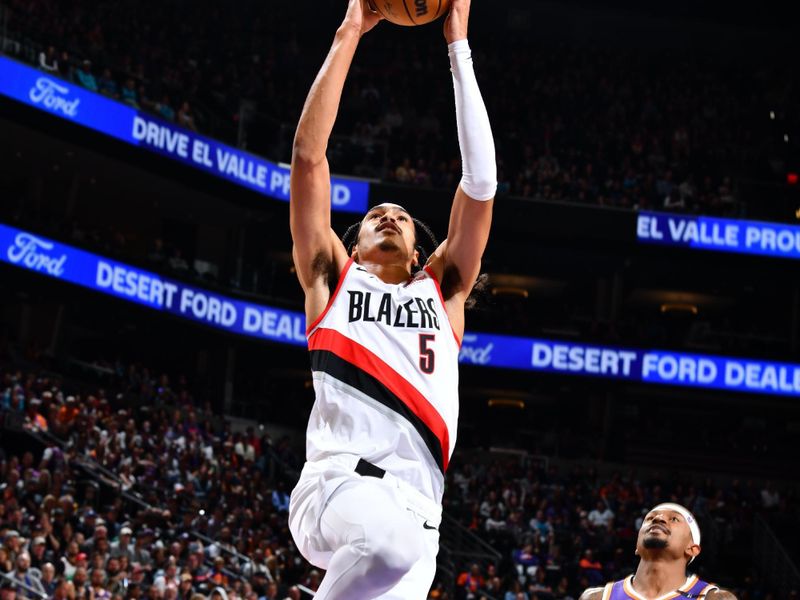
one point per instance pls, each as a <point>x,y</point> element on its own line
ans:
<point>410,12</point>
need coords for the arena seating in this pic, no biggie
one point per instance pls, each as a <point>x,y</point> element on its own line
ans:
<point>637,128</point>
<point>119,482</point>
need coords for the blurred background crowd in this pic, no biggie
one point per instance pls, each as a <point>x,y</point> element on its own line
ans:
<point>116,484</point>
<point>678,125</point>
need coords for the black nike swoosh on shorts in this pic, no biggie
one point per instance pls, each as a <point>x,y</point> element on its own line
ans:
<point>426,526</point>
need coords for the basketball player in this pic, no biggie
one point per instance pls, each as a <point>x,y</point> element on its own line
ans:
<point>384,336</point>
<point>668,541</point>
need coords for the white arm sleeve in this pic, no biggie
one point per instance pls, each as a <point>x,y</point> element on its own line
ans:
<point>478,166</point>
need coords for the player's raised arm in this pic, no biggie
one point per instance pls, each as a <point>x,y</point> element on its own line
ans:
<point>315,244</point>
<point>471,214</point>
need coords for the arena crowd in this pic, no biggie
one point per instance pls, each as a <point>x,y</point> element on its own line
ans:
<point>628,128</point>
<point>129,490</point>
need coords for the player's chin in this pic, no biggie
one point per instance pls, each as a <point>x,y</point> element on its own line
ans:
<point>388,244</point>
<point>655,542</point>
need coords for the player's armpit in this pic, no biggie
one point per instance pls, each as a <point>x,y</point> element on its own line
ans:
<point>318,265</point>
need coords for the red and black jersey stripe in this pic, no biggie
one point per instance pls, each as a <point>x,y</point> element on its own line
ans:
<point>353,364</point>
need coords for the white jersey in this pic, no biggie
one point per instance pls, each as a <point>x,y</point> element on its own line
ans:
<point>385,364</point>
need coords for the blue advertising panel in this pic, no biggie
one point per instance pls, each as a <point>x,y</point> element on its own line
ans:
<point>645,366</point>
<point>94,111</point>
<point>114,278</point>
<point>60,261</point>
<point>725,235</point>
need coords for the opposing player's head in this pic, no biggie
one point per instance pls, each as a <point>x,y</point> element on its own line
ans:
<point>388,233</point>
<point>669,531</point>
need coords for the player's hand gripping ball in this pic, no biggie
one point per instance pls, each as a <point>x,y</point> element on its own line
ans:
<point>410,12</point>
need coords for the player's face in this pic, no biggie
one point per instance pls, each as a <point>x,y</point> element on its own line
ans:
<point>665,530</point>
<point>390,228</point>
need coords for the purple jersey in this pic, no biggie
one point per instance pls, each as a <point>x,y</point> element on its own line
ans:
<point>692,589</point>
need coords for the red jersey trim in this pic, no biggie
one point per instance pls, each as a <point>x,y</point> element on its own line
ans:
<point>339,283</point>
<point>432,275</point>
<point>366,360</point>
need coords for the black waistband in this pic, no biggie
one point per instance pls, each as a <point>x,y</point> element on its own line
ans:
<point>367,469</point>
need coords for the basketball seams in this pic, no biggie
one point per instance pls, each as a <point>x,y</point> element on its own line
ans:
<point>418,12</point>
<point>408,12</point>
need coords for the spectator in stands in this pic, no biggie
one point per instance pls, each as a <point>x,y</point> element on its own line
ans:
<point>48,60</point>
<point>601,517</point>
<point>140,554</point>
<point>177,262</point>
<point>469,583</point>
<point>516,592</point>
<point>33,418</point>
<point>128,94</point>
<point>85,77</point>
<point>123,546</point>
<point>70,559</point>
<point>164,108</point>
<point>40,555</point>
<point>185,588</point>
<point>68,412</point>
<point>137,574</point>
<point>539,588</point>
<point>525,560</point>
<point>542,527</point>
<point>81,584</point>
<point>12,544</point>
<point>515,526</point>
<point>770,496</point>
<point>244,448</point>
<point>405,173</point>
<point>166,576</point>
<point>107,85</point>
<point>98,532</point>
<point>495,522</point>
<point>8,590</point>
<point>492,502</point>
<point>186,117</point>
<point>591,568</point>
<point>617,567</point>
<point>218,593</point>
<point>98,585</point>
<point>31,580</point>
<point>280,499</point>
<point>64,66</point>
<point>218,574</point>
<point>562,591</point>
<point>49,580</point>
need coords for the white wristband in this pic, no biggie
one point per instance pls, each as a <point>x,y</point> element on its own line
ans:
<point>478,165</point>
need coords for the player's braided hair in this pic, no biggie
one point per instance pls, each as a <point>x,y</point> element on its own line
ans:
<point>425,242</point>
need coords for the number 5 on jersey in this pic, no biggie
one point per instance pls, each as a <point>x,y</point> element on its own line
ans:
<point>427,358</point>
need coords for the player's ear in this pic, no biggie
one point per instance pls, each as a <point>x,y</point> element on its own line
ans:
<point>692,552</point>
<point>415,260</point>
